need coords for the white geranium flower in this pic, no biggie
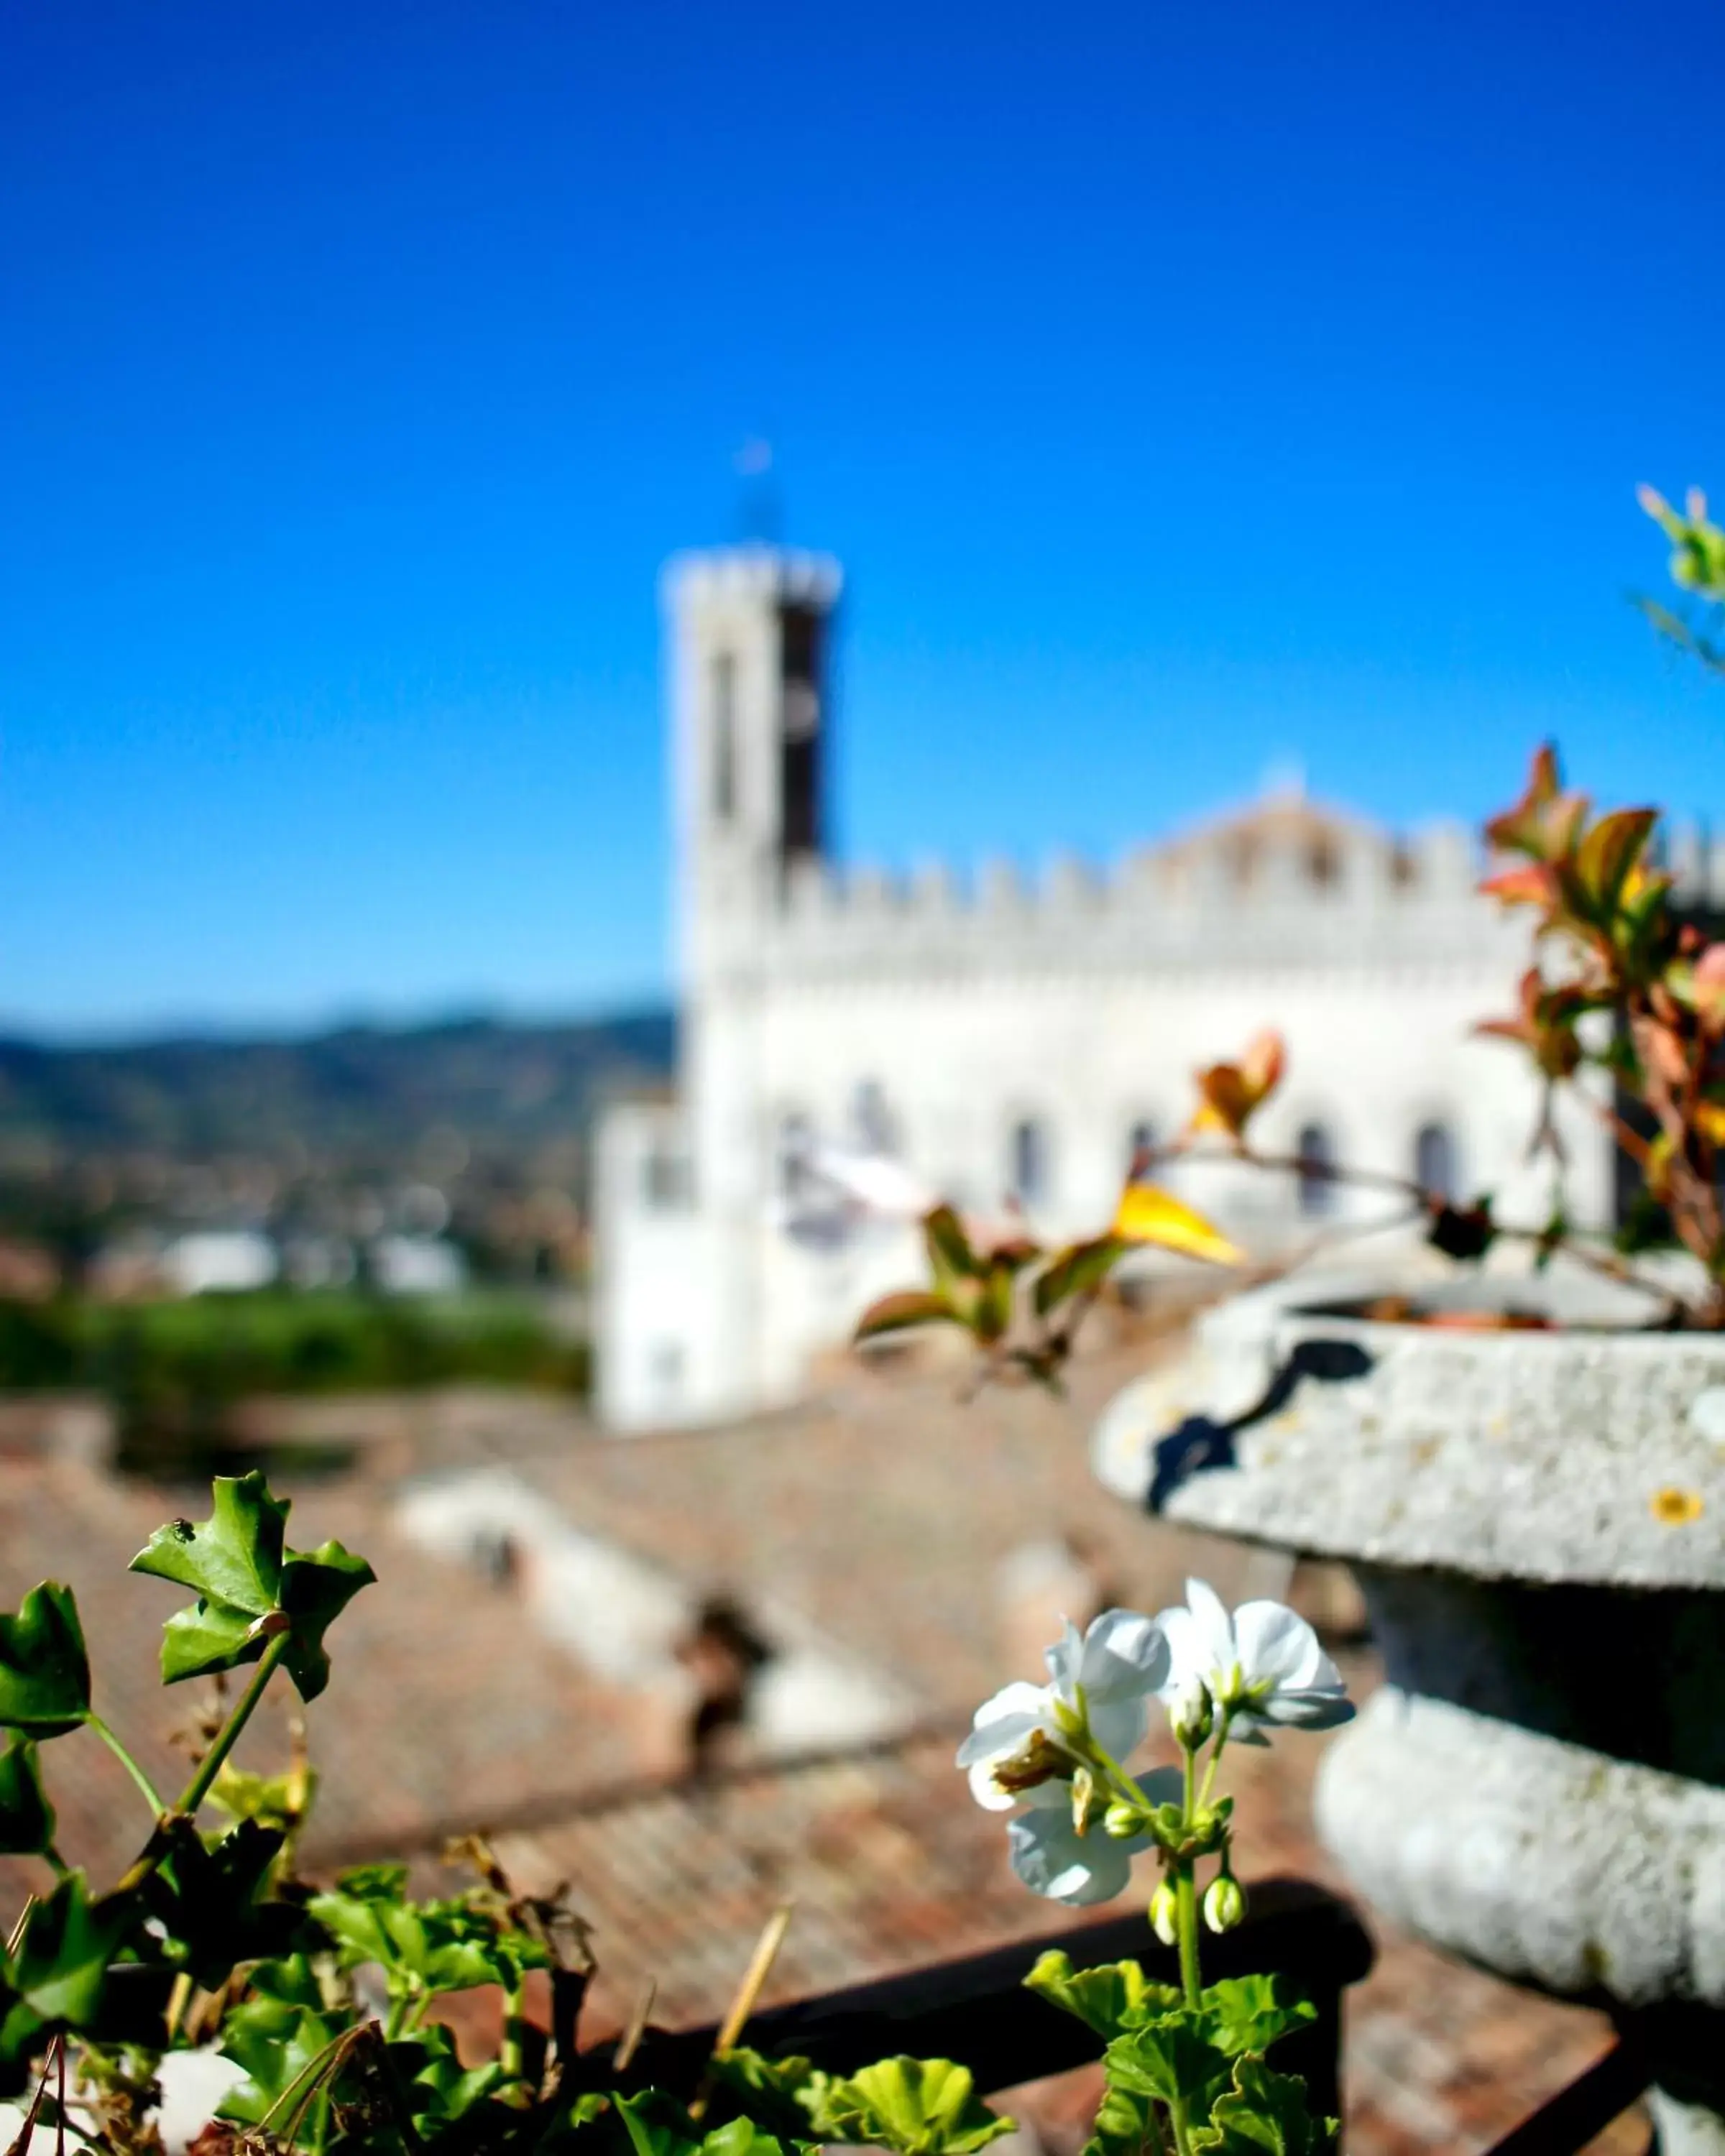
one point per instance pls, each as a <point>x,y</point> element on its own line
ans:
<point>1026,1741</point>
<point>1263,1666</point>
<point>1053,1859</point>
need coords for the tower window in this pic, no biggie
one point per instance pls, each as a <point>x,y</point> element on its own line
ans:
<point>724,685</point>
<point>1029,1161</point>
<point>1435,1161</point>
<point>1316,1154</point>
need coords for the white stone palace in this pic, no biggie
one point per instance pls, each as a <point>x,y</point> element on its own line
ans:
<point>843,1031</point>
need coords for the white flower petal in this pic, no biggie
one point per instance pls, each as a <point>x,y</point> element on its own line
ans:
<point>1186,1652</point>
<point>986,1790</point>
<point>1118,1725</point>
<point>1209,1614</point>
<point>1318,1708</point>
<point>1053,1860</point>
<point>1065,1663</point>
<point>1125,1654</point>
<point>1274,1643</point>
<point>1001,1724</point>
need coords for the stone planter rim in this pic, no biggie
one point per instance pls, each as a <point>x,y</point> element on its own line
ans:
<point>1579,1454</point>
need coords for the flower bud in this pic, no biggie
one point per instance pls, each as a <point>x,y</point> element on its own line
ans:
<point>1192,1715</point>
<point>1122,1822</point>
<point>1165,1914</point>
<point>1224,1903</point>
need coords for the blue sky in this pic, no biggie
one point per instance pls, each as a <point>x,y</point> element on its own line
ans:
<point>1183,389</point>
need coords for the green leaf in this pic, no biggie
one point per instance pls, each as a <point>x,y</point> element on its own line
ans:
<point>207,1637</point>
<point>315,1589</point>
<point>44,1667</point>
<point>1124,2126</point>
<point>1170,2057</point>
<point>919,2106</point>
<point>235,1555</point>
<point>439,2089</point>
<point>212,1899</point>
<point>658,2126</point>
<point>1264,2110</point>
<point>950,1256</point>
<point>276,2041</point>
<point>241,1570</point>
<point>421,1946</point>
<point>27,1821</point>
<point>1250,2013</point>
<point>993,1314</point>
<point>61,1964</point>
<point>1076,1270</point>
<point>1109,1999</point>
<point>767,2089</point>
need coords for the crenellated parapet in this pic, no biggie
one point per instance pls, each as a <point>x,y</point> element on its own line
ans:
<point>1323,892</point>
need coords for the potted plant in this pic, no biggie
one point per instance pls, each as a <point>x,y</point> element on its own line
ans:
<point>1525,1467</point>
<point>307,2013</point>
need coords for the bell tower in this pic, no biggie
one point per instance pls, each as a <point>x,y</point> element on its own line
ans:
<point>749,630</point>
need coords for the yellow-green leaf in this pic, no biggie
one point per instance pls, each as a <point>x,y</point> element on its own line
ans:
<point>1149,1215</point>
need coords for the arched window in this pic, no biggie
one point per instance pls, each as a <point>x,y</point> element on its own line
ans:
<point>871,1116</point>
<point>1029,1165</point>
<point>1435,1161</point>
<point>1317,1161</point>
<point>724,738</point>
<point>1140,1142</point>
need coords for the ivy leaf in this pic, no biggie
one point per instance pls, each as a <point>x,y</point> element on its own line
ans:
<point>233,1557</point>
<point>241,1570</point>
<point>44,1667</point>
<point>213,1901</point>
<point>207,1637</point>
<point>1264,2110</point>
<point>276,2041</point>
<point>1110,1998</point>
<point>315,1589</point>
<point>421,1946</point>
<point>657,2125</point>
<point>61,1964</point>
<point>27,1821</point>
<point>1249,2013</point>
<point>918,2107</point>
<point>439,2089</point>
<point>766,2088</point>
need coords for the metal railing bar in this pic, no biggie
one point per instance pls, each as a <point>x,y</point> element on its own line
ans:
<point>1567,2122</point>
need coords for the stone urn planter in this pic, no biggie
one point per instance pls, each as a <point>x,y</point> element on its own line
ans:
<point>1537,1522</point>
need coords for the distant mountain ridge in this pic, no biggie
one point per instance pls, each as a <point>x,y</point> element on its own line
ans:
<point>356,1092</point>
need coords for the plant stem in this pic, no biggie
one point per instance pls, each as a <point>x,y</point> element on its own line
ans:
<point>152,1797</point>
<point>1186,1921</point>
<point>1183,2132</point>
<point>509,2057</point>
<point>198,1788</point>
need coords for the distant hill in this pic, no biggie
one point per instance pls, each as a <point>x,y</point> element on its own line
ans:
<point>359,1094</point>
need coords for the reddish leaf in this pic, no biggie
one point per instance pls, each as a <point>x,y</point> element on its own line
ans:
<point>897,1313</point>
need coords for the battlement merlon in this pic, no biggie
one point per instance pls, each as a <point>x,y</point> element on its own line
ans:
<point>1366,897</point>
<point>748,575</point>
